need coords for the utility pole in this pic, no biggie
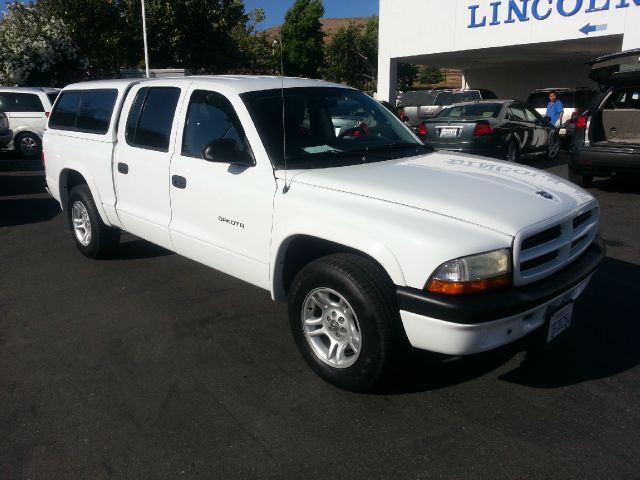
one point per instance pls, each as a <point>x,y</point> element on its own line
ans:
<point>144,36</point>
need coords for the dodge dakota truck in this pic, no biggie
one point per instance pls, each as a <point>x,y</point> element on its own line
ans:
<point>375,240</point>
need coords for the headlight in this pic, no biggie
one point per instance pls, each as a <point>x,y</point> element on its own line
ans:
<point>472,274</point>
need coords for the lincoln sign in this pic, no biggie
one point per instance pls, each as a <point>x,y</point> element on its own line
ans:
<point>512,11</point>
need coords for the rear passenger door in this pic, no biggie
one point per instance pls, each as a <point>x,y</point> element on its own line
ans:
<point>520,127</point>
<point>142,159</point>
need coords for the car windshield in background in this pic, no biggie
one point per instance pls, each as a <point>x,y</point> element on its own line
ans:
<point>418,98</point>
<point>327,127</point>
<point>471,111</point>
<point>541,99</point>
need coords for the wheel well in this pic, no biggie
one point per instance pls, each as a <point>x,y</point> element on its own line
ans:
<point>69,179</point>
<point>302,250</point>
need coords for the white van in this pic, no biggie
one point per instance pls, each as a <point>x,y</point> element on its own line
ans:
<point>27,110</point>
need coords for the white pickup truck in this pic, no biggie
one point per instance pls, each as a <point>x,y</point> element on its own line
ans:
<point>372,238</point>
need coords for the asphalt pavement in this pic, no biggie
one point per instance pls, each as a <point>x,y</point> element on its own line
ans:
<point>151,366</point>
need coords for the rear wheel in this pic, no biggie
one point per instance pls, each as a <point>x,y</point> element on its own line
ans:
<point>342,312</point>
<point>92,237</point>
<point>554,146</point>
<point>582,180</point>
<point>28,145</point>
<point>513,152</point>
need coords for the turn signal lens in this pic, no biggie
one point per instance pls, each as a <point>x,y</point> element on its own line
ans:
<point>472,274</point>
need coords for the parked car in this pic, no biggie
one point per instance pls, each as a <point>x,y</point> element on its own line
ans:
<point>27,110</point>
<point>607,139</point>
<point>421,105</point>
<point>6,135</point>
<point>505,129</point>
<point>373,239</point>
<point>574,100</point>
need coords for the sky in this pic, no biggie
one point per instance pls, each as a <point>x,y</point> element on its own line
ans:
<point>275,9</point>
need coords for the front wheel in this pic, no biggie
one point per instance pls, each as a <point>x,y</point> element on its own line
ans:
<point>92,237</point>
<point>342,312</point>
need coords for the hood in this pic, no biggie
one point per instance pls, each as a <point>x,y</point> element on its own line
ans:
<point>497,195</point>
<point>616,69</point>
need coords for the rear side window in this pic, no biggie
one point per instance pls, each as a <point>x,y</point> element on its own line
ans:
<point>151,117</point>
<point>20,102</point>
<point>95,111</point>
<point>87,111</point>
<point>64,114</point>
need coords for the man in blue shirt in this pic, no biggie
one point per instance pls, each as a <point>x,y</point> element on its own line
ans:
<point>555,109</point>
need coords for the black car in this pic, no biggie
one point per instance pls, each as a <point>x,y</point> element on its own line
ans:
<point>6,135</point>
<point>607,139</point>
<point>506,129</point>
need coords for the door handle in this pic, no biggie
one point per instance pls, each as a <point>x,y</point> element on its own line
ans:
<point>123,168</point>
<point>178,181</point>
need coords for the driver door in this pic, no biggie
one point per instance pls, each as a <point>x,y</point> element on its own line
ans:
<point>220,213</point>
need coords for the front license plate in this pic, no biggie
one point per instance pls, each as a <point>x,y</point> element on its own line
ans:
<point>449,132</point>
<point>559,321</point>
<point>563,131</point>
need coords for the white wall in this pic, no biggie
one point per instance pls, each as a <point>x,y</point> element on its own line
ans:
<point>513,82</point>
<point>410,29</point>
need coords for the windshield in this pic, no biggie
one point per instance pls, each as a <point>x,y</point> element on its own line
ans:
<point>471,111</point>
<point>327,127</point>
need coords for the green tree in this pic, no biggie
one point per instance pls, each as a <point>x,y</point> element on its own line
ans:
<point>255,50</point>
<point>192,34</point>
<point>407,75</point>
<point>430,75</point>
<point>352,54</point>
<point>302,38</point>
<point>99,29</point>
<point>37,49</point>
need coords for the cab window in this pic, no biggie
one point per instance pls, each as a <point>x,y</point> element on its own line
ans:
<point>210,117</point>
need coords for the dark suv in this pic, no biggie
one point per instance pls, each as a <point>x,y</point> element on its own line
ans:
<point>607,138</point>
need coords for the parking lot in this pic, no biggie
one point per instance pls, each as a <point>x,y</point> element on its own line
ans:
<point>149,365</point>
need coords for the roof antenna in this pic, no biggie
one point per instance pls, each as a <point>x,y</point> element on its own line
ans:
<point>285,189</point>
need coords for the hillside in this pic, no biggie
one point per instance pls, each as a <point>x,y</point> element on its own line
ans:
<point>330,27</point>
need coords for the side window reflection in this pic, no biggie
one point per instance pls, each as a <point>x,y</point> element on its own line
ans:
<point>210,117</point>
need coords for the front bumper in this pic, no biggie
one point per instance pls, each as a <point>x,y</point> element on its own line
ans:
<point>464,325</point>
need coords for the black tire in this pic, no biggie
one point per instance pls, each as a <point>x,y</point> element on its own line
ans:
<point>370,294</point>
<point>582,180</point>
<point>554,147</point>
<point>102,238</point>
<point>512,152</point>
<point>28,145</point>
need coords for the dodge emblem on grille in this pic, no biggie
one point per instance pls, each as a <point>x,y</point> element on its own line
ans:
<point>544,194</point>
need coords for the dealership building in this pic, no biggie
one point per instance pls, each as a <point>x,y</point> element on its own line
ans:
<point>508,46</point>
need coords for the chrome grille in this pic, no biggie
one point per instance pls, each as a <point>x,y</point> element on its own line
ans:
<point>540,251</point>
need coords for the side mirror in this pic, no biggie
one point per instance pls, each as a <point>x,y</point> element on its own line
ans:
<point>225,150</point>
<point>547,118</point>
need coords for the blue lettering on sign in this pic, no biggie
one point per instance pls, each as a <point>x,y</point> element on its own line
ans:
<point>512,11</point>
<point>562,11</point>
